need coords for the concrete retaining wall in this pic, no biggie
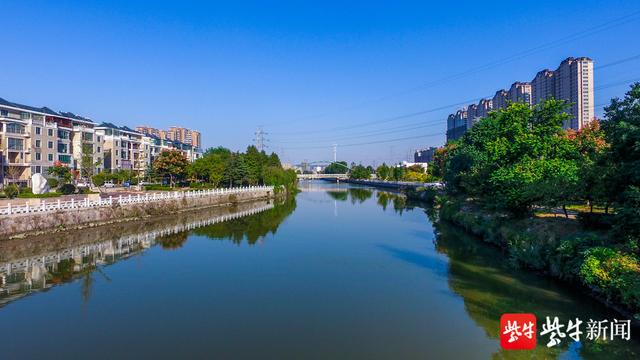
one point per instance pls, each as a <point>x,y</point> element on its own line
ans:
<point>24,224</point>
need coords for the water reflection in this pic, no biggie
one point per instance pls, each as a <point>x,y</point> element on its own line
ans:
<point>251,228</point>
<point>39,263</point>
<point>490,286</point>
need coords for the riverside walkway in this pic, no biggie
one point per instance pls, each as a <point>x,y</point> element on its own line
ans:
<point>394,184</point>
<point>73,204</point>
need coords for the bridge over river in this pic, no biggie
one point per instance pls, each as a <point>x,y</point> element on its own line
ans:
<point>322,176</point>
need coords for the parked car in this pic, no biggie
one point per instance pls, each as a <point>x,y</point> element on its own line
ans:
<point>109,184</point>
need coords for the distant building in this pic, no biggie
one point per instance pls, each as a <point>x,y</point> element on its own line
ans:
<point>175,133</point>
<point>424,155</point>
<point>572,82</point>
<point>456,125</point>
<point>499,100</point>
<point>520,92</point>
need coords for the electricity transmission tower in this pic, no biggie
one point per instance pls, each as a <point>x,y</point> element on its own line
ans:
<point>335,152</point>
<point>260,139</point>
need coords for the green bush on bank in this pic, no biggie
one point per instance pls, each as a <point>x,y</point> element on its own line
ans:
<point>613,273</point>
<point>158,187</point>
<point>11,191</point>
<point>557,246</point>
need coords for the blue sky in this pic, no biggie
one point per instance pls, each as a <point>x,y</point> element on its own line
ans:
<point>311,73</point>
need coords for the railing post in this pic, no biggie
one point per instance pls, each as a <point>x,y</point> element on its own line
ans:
<point>110,200</point>
<point>59,205</point>
<point>9,209</point>
<point>73,203</point>
<point>120,199</point>
<point>26,207</point>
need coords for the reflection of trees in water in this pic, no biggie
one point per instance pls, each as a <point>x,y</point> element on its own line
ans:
<point>338,195</point>
<point>173,241</point>
<point>398,201</point>
<point>357,195</point>
<point>360,195</point>
<point>489,286</point>
<point>252,227</point>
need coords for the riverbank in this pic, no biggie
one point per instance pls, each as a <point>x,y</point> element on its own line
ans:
<point>384,184</point>
<point>55,217</point>
<point>558,247</point>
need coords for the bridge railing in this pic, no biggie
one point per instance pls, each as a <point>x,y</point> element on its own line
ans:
<point>86,203</point>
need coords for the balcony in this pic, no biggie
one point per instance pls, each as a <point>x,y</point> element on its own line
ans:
<point>65,159</point>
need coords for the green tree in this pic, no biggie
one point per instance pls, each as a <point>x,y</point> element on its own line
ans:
<point>87,165</point>
<point>172,164</point>
<point>397,173</point>
<point>254,162</point>
<point>622,131</point>
<point>516,158</point>
<point>236,171</point>
<point>61,172</point>
<point>359,172</point>
<point>383,171</point>
<point>338,167</point>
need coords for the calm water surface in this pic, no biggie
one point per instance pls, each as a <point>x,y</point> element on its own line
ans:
<point>338,272</point>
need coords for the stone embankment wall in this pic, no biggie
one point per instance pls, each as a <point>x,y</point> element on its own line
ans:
<point>34,223</point>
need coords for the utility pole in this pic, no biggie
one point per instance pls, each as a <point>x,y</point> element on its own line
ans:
<point>260,139</point>
<point>335,152</point>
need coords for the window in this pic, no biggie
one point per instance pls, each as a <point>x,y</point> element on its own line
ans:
<point>66,159</point>
<point>116,152</point>
<point>87,136</point>
<point>50,132</point>
<point>63,134</point>
<point>63,148</point>
<point>38,144</point>
<point>116,144</point>
<point>36,169</point>
<point>38,130</point>
<point>38,156</point>
<point>98,149</point>
<point>15,128</point>
<point>4,113</point>
<point>50,144</point>
<point>15,144</point>
<point>50,157</point>
<point>25,116</point>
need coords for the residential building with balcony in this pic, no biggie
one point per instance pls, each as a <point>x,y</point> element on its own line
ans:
<point>572,82</point>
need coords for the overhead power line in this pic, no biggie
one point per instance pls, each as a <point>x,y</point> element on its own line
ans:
<point>517,56</point>
<point>435,109</point>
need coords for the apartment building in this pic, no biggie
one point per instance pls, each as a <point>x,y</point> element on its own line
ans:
<point>124,148</point>
<point>33,139</point>
<point>175,133</point>
<point>128,149</point>
<point>424,155</point>
<point>572,82</point>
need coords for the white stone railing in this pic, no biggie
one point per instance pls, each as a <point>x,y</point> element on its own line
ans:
<point>58,205</point>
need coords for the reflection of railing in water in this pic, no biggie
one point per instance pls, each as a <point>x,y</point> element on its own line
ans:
<point>32,270</point>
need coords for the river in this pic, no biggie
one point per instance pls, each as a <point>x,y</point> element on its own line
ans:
<point>338,272</point>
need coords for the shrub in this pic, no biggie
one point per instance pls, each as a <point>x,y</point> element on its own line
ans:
<point>615,274</point>
<point>53,183</point>
<point>157,187</point>
<point>67,189</point>
<point>99,179</point>
<point>11,191</point>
